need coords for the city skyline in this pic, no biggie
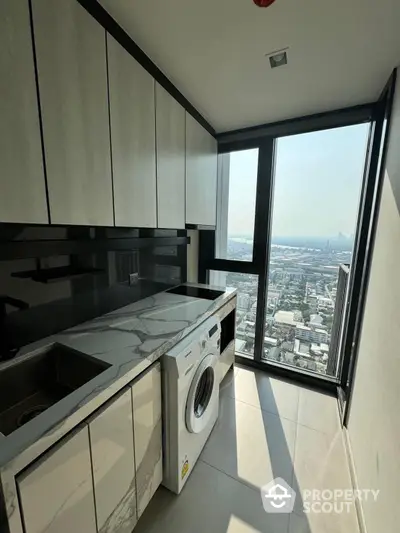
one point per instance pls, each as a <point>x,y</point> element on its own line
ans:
<point>321,236</point>
<point>245,243</point>
<point>300,306</point>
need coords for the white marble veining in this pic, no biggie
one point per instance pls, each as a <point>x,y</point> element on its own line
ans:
<point>147,409</point>
<point>130,339</point>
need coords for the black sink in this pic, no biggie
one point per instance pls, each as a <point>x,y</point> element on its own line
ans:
<point>196,292</point>
<point>30,386</point>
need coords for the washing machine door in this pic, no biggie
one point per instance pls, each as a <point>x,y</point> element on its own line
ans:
<point>202,396</point>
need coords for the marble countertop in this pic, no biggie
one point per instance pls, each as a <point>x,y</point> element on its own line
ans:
<point>130,339</point>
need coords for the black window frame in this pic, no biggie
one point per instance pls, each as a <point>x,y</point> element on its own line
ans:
<point>264,138</point>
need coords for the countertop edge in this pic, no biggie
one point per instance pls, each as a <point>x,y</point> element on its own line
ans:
<point>24,445</point>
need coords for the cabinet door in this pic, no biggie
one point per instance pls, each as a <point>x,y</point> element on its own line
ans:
<point>201,174</point>
<point>146,395</point>
<point>170,132</point>
<point>72,72</point>
<point>22,185</point>
<point>56,492</point>
<point>111,440</point>
<point>132,113</point>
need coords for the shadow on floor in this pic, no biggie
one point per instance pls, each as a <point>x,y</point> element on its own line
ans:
<point>223,503</point>
<point>285,452</point>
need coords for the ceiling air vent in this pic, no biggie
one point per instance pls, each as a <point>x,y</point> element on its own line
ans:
<point>278,59</point>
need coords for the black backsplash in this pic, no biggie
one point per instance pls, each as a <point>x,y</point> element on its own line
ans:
<point>53,278</point>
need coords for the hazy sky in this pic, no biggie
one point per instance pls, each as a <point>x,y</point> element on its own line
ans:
<point>317,184</point>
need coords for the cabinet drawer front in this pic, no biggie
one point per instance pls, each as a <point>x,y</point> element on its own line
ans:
<point>146,396</point>
<point>111,440</point>
<point>56,492</point>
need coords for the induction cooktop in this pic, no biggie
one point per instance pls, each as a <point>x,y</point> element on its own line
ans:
<point>196,292</point>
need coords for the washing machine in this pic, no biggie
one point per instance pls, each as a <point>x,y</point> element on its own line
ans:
<point>190,400</point>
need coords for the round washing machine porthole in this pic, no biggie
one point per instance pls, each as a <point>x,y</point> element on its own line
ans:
<point>201,393</point>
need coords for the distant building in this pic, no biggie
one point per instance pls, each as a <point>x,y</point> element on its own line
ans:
<point>285,318</point>
<point>243,301</point>
<point>270,341</point>
<point>308,334</point>
<point>303,332</point>
<point>319,349</point>
<point>316,320</point>
<point>324,303</point>
<point>300,349</point>
<point>295,273</point>
<point>320,335</point>
<point>324,347</point>
<point>273,297</point>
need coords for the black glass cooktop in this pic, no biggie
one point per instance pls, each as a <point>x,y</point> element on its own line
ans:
<point>196,292</point>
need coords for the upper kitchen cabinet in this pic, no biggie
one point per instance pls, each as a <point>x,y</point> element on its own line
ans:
<point>72,74</point>
<point>132,112</point>
<point>201,174</point>
<point>170,132</point>
<point>22,183</point>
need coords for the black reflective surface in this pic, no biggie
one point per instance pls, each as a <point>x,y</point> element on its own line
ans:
<point>41,296</point>
<point>196,292</point>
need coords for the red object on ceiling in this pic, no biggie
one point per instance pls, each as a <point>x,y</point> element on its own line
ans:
<point>263,3</point>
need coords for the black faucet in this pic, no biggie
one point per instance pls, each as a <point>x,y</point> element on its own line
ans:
<point>7,347</point>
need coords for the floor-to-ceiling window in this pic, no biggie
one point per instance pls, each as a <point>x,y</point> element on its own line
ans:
<point>237,205</point>
<point>236,223</point>
<point>316,194</point>
<point>287,216</point>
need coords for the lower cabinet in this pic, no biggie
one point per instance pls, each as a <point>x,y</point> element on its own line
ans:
<point>56,492</point>
<point>100,478</point>
<point>146,396</point>
<point>111,440</point>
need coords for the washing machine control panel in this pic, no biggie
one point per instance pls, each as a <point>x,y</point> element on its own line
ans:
<point>204,339</point>
<point>213,330</point>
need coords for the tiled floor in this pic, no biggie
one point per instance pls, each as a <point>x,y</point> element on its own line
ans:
<point>266,429</point>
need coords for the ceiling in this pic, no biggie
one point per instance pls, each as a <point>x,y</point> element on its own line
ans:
<point>340,53</point>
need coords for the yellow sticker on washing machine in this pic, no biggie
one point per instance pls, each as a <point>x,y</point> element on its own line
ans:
<point>185,469</point>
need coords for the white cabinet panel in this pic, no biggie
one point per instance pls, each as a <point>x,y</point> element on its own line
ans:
<point>72,71</point>
<point>22,184</point>
<point>146,395</point>
<point>201,174</point>
<point>170,133</point>
<point>132,112</point>
<point>111,439</point>
<point>56,492</point>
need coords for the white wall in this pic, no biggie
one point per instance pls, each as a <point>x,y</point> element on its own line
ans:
<point>374,425</point>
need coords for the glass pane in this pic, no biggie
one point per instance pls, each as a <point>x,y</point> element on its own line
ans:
<point>317,187</point>
<point>236,205</point>
<point>247,285</point>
